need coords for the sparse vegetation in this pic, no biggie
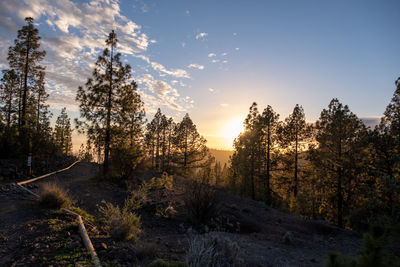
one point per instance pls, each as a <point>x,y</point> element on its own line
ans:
<point>212,249</point>
<point>53,196</point>
<point>201,202</point>
<point>121,224</point>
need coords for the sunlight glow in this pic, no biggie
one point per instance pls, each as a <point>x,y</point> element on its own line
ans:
<point>232,128</point>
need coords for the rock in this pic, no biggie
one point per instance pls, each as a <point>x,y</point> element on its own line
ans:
<point>288,238</point>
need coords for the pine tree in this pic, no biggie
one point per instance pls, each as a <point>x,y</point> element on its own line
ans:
<point>8,96</point>
<point>269,123</point>
<point>339,134</point>
<point>190,149</point>
<point>249,156</point>
<point>24,57</point>
<point>385,158</point>
<point>108,100</point>
<point>294,135</point>
<point>392,115</point>
<point>63,133</point>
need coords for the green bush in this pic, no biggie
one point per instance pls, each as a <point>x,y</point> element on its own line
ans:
<point>53,197</point>
<point>120,224</point>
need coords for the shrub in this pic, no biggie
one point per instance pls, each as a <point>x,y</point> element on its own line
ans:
<point>201,202</point>
<point>212,250</point>
<point>124,160</point>
<point>120,224</point>
<point>53,197</point>
<point>373,253</point>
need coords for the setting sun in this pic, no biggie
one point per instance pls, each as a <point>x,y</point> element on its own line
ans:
<point>232,128</point>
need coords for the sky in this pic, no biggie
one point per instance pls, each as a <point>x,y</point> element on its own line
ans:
<point>212,59</point>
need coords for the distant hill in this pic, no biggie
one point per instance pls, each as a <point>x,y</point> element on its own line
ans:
<point>221,155</point>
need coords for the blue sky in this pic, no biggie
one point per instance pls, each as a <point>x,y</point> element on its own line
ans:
<point>212,59</point>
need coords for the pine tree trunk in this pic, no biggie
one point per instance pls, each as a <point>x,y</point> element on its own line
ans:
<point>108,120</point>
<point>268,178</point>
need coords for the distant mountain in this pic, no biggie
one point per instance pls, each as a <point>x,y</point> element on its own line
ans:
<point>221,155</point>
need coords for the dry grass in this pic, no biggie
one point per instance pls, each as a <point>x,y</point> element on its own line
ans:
<point>212,249</point>
<point>52,196</point>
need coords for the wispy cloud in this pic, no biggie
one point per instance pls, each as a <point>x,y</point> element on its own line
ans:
<point>196,66</point>
<point>201,35</point>
<point>75,39</point>
<point>224,105</point>
<point>237,48</point>
<point>224,54</point>
<point>173,72</point>
<point>212,55</point>
<point>211,90</point>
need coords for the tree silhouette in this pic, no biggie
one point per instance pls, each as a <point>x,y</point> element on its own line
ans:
<point>339,134</point>
<point>109,102</point>
<point>63,133</point>
<point>24,57</point>
<point>294,135</point>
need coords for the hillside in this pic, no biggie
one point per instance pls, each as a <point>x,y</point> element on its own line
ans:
<point>221,155</point>
<point>261,235</point>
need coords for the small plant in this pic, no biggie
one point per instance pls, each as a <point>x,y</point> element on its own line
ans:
<point>121,224</point>
<point>53,197</point>
<point>165,182</point>
<point>212,250</point>
<point>201,202</point>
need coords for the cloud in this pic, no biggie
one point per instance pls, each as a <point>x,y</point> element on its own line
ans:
<point>215,61</point>
<point>162,93</point>
<point>179,73</point>
<point>196,66</point>
<point>224,105</point>
<point>212,55</point>
<point>201,35</point>
<point>224,54</point>
<point>187,12</point>
<point>76,36</point>
<point>211,90</point>
<point>235,34</point>
<point>237,48</point>
<point>183,44</point>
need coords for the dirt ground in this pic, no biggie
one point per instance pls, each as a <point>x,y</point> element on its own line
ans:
<point>30,236</point>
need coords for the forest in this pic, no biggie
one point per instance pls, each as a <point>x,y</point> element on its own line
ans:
<point>335,169</point>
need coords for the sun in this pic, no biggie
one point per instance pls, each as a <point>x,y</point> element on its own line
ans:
<point>232,128</point>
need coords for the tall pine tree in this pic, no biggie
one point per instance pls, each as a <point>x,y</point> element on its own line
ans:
<point>339,134</point>
<point>109,102</point>
<point>24,57</point>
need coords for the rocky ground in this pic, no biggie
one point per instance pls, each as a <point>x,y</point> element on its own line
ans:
<point>261,235</point>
